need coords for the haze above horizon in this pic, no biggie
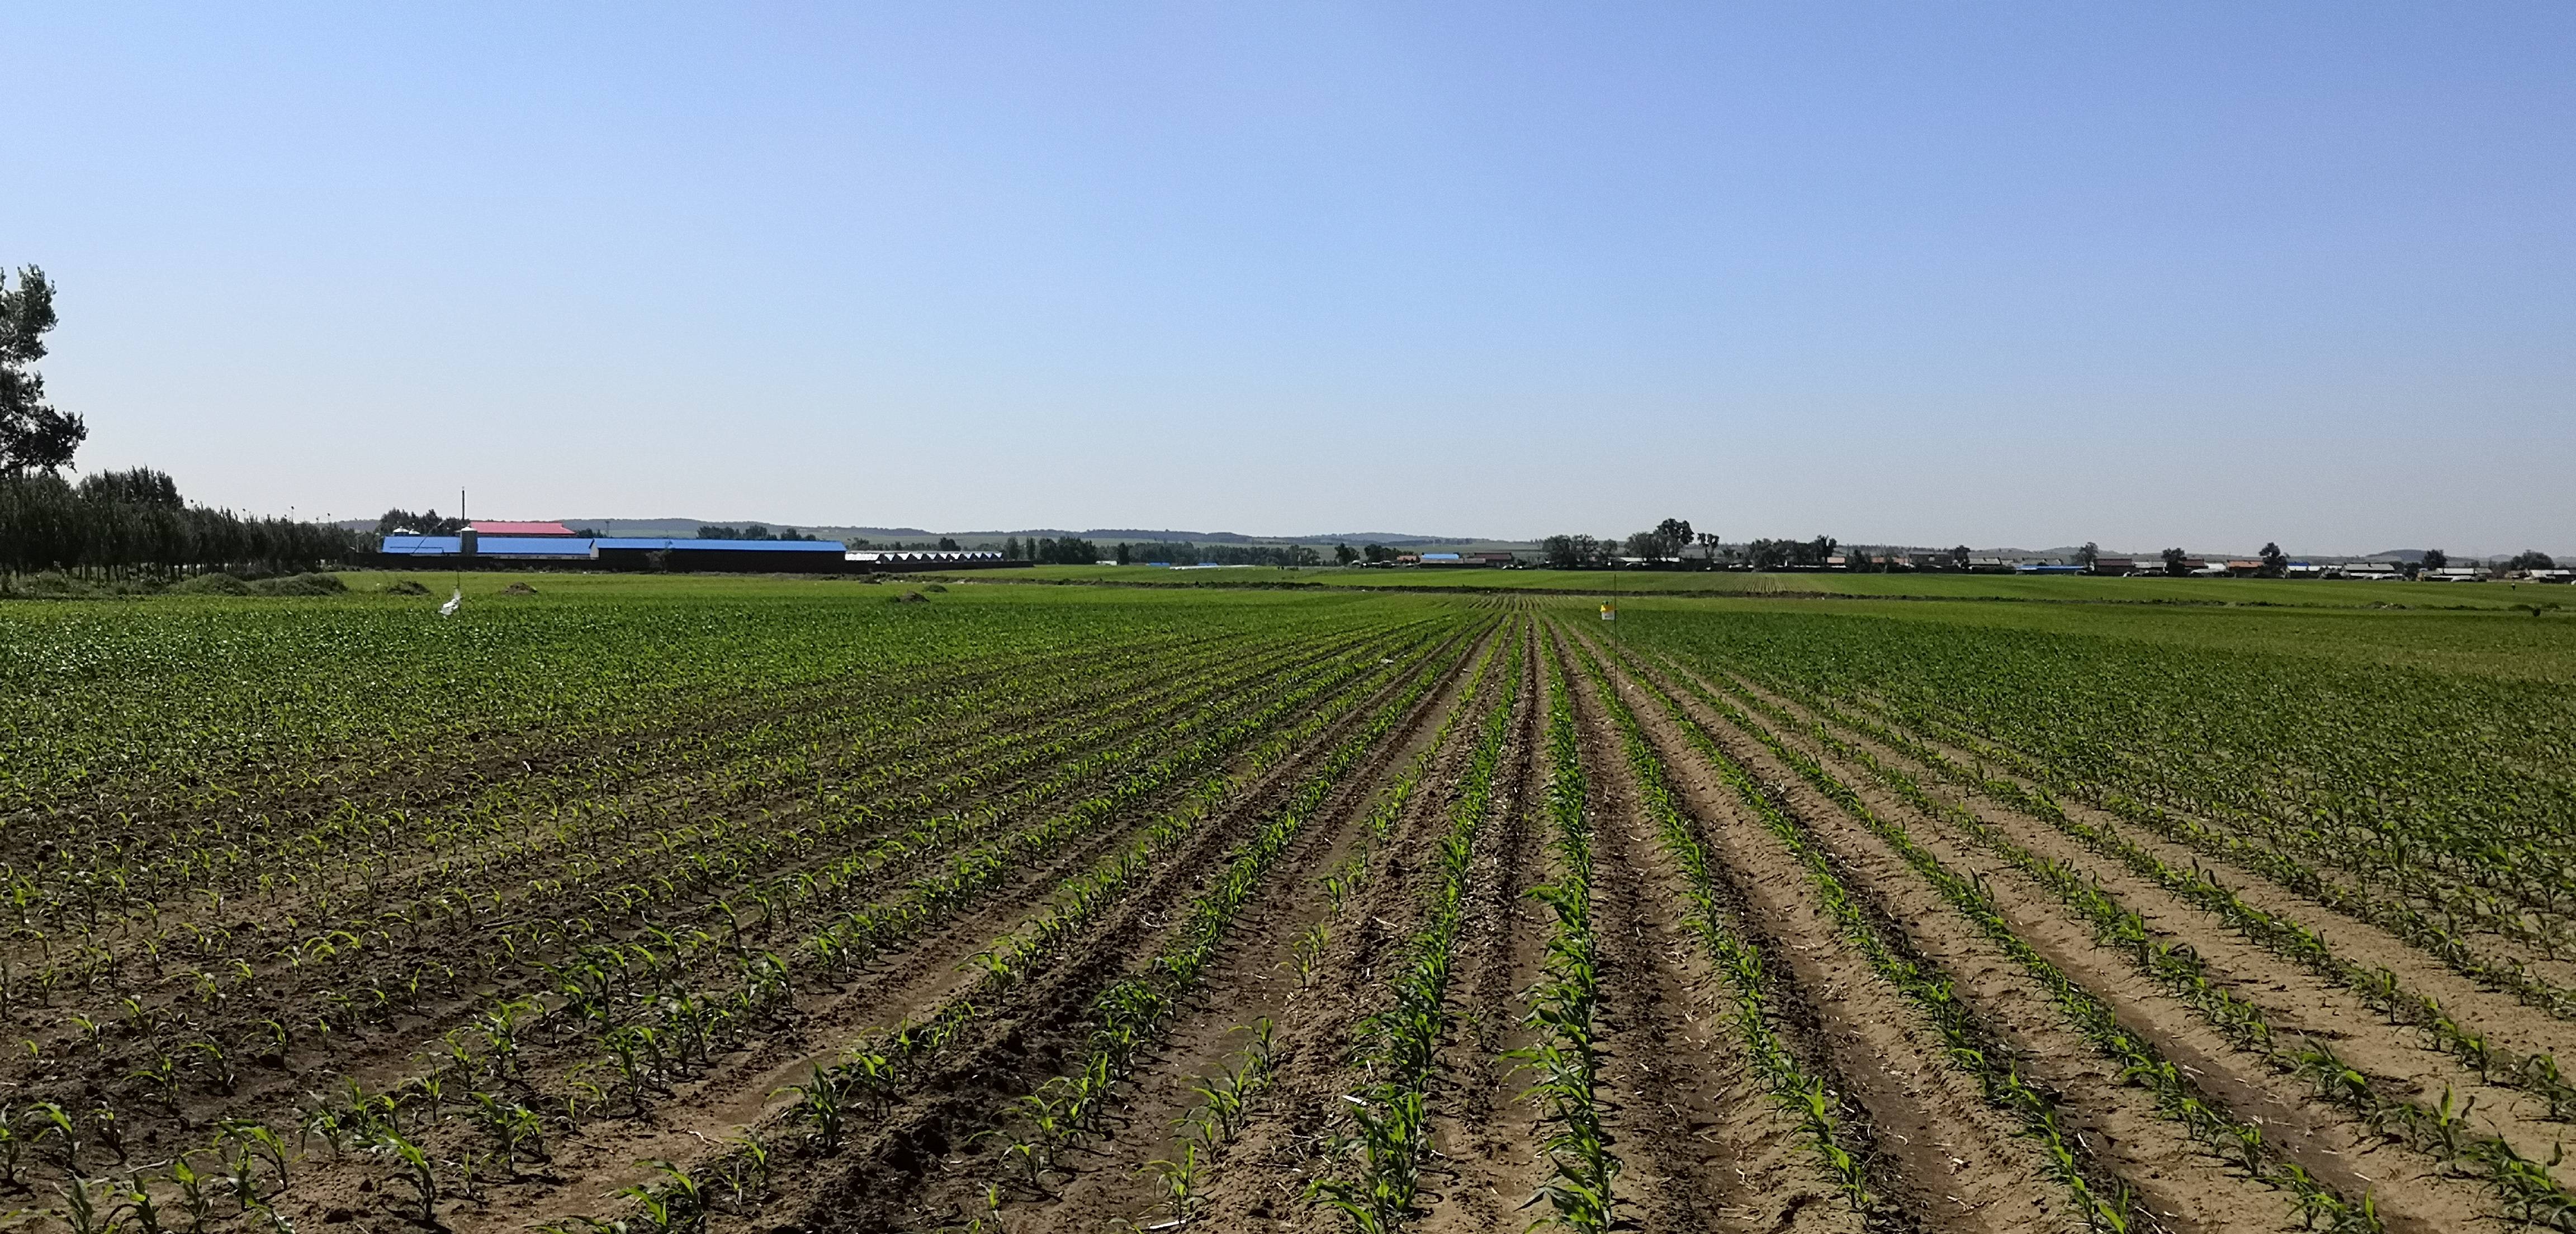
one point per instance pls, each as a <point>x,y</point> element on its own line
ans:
<point>2184,274</point>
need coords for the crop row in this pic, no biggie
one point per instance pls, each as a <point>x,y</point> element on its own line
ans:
<point>2105,1202</point>
<point>2442,1130</point>
<point>1390,1112</point>
<point>1563,1005</point>
<point>2357,769</point>
<point>877,1070</point>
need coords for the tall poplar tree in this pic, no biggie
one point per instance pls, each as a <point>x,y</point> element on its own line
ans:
<point>33,436</point>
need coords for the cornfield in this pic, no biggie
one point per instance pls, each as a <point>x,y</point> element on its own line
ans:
<point>667,905</point>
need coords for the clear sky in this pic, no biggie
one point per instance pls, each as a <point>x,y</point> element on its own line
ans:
<point>2034,274</point>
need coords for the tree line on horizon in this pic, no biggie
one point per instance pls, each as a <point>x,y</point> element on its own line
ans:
<point>116,524</point>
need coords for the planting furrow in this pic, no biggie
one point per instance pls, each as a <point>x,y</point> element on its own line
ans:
<point>2186,931</point>
<point>676,1036</point>
<point>1489,1167</point>
<point>1735,1131</point>
<point>1375,904</point>
<point>1118,1176</point>
<point>2486,1029</point>
<point>664,961</point>
<point>2146,1040</point>
<point>2513,954</point>
<point>1581,1191</point>
<point>2430,1111</point>
<point>1133,1017</point>
<point>1919,1118</point>
<point>930,1071</point>
<point>1376,1185</point>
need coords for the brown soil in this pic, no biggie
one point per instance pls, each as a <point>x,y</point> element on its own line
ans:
<point>1706,1147</point>
<point>2295,999</point>
<point>1951,1160</point>
<point>2150,1153</point>
<point>919,1169</point>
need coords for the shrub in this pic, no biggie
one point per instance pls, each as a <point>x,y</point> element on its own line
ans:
<point>216,584</point>
<point>300,585</point>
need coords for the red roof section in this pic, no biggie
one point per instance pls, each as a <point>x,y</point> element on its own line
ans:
<point>520,529</point>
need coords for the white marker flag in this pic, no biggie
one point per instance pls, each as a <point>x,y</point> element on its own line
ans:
<point>449,609</point>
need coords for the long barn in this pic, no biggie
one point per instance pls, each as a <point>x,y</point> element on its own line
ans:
<point>636,553</point>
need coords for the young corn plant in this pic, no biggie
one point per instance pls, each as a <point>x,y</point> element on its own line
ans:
<point>1562,1005</point>
<point>1390,1115</point>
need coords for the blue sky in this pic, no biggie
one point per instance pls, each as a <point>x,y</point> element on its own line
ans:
<point>2147,275</point>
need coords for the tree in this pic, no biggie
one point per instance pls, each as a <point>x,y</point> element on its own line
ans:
<point>2088,555</point>
<point>140,487</point>
<point>2531,559</point>
<point>1576,552</point>
<point>1671,535</point>
<point>1121,554</point>
<point>1377,554</point>
<point>2275,562</point>
<point>33,436</point>
<point>1344,554</point>
<point>1959,557</point>
<point>1010,548</point>
<point>399,520</point>
<point>1708,548</point>
<point>1645,545</point>
<point>2435,559</point>
<point>2177,561</point>
<point>1069,551</point>
<point>948,544</point>
<point>1771,554</point>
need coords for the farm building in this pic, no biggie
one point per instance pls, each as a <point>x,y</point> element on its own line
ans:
<point>905,559</point>
<point>474,544</point>
<point>756,556</point>
<point>614,553</point>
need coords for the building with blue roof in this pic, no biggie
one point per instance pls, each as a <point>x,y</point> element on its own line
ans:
<point>618,553</point>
